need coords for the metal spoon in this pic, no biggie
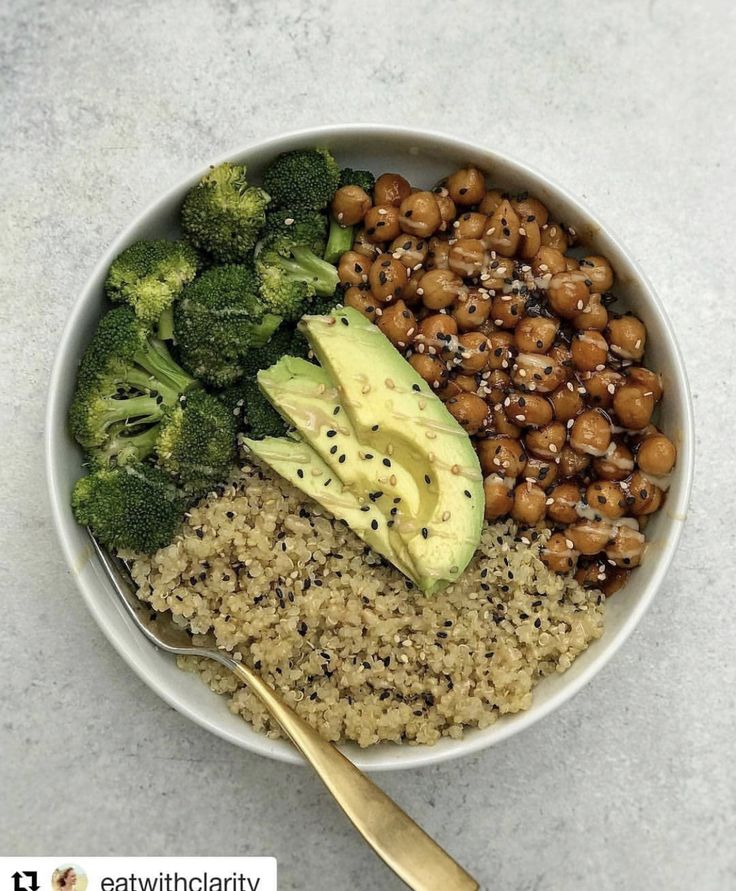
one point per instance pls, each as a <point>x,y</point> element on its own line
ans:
<point>392,834</point>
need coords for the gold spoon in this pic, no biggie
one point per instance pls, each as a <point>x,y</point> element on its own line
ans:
<point>393,835</point>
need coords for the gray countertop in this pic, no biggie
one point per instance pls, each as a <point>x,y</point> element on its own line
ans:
<point>631,104</point>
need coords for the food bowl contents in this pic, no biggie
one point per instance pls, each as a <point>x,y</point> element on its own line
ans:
<point>393,446</point>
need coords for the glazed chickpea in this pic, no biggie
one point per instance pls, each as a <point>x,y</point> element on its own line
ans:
<point>499,274</point>
<point>546,442</point>
<point>615,580</point>
<point>627,337</point>
<point>507,310</point>
<point>571,463</point>
<point>420,214</point>
<point>387,278</point>
<point>548,261</point>
<point>353,268</point>
<point>561,353</point>
<point>600,386</point>
<point>566,402</point>
<point>440,288</point>
<point>589,350</point>
<point>469,410</point>
<point>607,498</point>
<point>593,574</point>
<point>473,311</point>
<point>430,368</point>
<point>410,295</point>
<point>399,324</point>
<point>362,300</point>
<point>543,473</point>
<point>528,410</point>
<point>437,330</point>
<point>649,381</point>
<point>502,425</point>
<point>499,499</point>
<point>491,201</point>
<point>466,383</point>
<point>594,317</point>
<point>531,210</point>
<point>531,239</point>
<point>502,234</point>
<point>572,264</point>
<point>391,188</point>
<point>627,547</point>
<point>633,407</point>
<point>438,254</point>
<point>562,503</point>
<point>557,555</point>
<point>535,334</point>
<point>349,205</point>
<point>590,536</point>
<point>599,271</point>
<point>616,464</point>
<point>644,496</point>
<point>381,223</point>
<point>412,251</point>
<point>535,372</point>
<point>468,257</point>
<point>473,351</point>
<point>466,186</point>
<point>530,503</point>
<point>361,245</point>
<point>656,455</point>
<point>448,211</point>
<point>568,294</point>
<point>500,345</point>
<point>553,235</point>
<point>590,433</point>
<point>450,390</point>
<point>470,225</point>
<point>501,454</point>
<point>498,383</point>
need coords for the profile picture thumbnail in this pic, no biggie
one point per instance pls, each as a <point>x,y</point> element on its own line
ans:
<point>68,877</point>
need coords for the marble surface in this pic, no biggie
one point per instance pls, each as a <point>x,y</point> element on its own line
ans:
<point>631,104</point>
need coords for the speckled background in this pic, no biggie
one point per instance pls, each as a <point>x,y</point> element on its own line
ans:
<point>631,104</point>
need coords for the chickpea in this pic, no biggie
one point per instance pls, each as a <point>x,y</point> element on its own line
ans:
<point>553,235</point>
<point>644,495</point>
<point>470,225</point>
<point>440,288</point>
<point>361,245</point>
<point>391,188</point>
<point>548,261</point>
<point>468,257</point>
<point>590,536</point>
<point>501,454</point>
<point>399,324</point>
<point>353,268</point>
<point>387,278</point>
<point>528,207</point>
<point>599,271</point>
<point>557,555</point>
<point>566,402</point>
<point>473,311</point>
<point>466,186</point>
<point>362,300</point>
<point>547,442</point>
<point>633,407</point>
<point>531,239</point>
<point>607,498</point>
<point>562,503</point>
<point>591,433</point>
<point>627,337</point>
<point>530,503</point>
<point>535,334</point>
<point>571,463</point>
<point>466,383</point>
<point>438,254</point>
<point>533,372</point>
<point>502,234</point>
<point>420,214</point>
<point>561,354</point>
<point>594,317</point>
<point>349,205</point>
<point>473,351</point>
<point>412,251</point>
<point>448,211</point>
<point>491,201</point>
<point>627,547</point>
<point>470,411</point>
<point>437,330</point>
<point>572,265</point>
<point>502,425</point>
<point>601,386</point>
<point>647,380</point>
<point>507,309</point>
<point>616,580</point>
<point>568,294</point>
<point>430,368</point>
<point>500,344</point>
<point>544,473</point>
<point>410,295</point>
<point>528,410</point>
<point>592,574</point>
<point>499,499</point>
<point>381,223</point>
<point>656,455</point>
<point>499,274</point>
<point>589,350</point>
<point>498,383</point>
<point>616,464</point>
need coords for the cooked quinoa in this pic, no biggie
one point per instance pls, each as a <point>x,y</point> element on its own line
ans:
<point>344,637</point>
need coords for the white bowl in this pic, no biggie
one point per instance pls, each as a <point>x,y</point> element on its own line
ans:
<point>423,157</point>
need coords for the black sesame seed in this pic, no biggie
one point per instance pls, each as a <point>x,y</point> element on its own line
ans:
<point>332,433</point>
<point>333,450</point>
<point>341,459</point>
<point>300,473</point>
<point>425,532</point>
<point>374,525</point>
<point>386,462</point>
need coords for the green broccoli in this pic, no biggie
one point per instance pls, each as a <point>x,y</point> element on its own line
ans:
<point>290,275</point>
<point>260,418</point>
<point>223,215</point>
<point>218,319</point>
<point>131,508</point>
<point>340,240</point>
<point>307,227</point>
<point>305,178</point>
<point>149,275</point>
<point>362,178</point>
<point>196,442</point>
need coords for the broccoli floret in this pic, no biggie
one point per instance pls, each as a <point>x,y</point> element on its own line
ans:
<point>260,418</point>
<point>196,442</point>
<point>218,319</point>
<point>149,275</point>
<point>125,379</point>
<point>223,214</point>
<point>304,178</point>
<point>132,508</point>
<point>125,443</point>
<point>339,241</point>
<point>290,275</point>
<point>307,227</point>
<point>323,306</point>
<point>362,178</point>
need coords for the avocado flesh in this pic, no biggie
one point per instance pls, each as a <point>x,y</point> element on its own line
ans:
<point>379,387</point>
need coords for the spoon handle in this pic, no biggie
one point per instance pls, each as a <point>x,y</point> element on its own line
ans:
<point>393,835</point>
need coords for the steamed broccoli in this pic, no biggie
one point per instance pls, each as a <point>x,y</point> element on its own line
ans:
<point>307,227</point>
<point>149,275</point>
<point>196,442</point>
<point>304,178</point>
<point>340,240</point>
<point>290,275</point>
<point>223,215</point>
<point>218,319</point>
<point>362,178</point>
<point>134,507</point>
<point>260,418</point>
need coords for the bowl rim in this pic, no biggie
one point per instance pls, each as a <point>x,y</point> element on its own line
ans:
<point>404,757</point>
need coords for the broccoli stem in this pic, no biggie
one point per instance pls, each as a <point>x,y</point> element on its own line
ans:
<point>264,330</point>
<point>133,410</point>
<point>308,267</point>
<point>339,240</point>
<point>166,324</point>
<point>171,379</point>
<point>123,446</point>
